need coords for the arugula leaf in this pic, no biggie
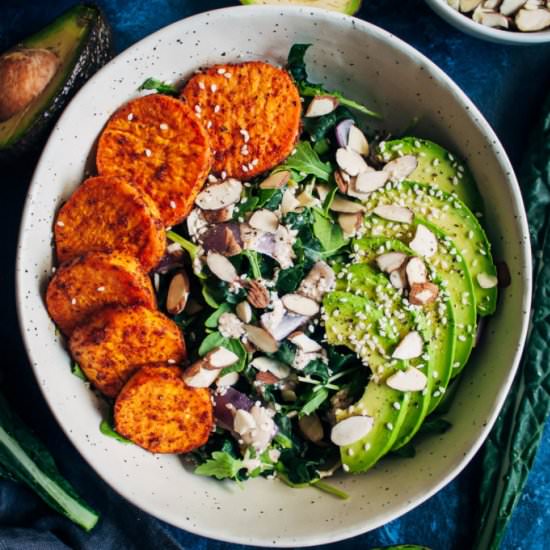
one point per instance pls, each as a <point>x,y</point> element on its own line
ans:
<point>305,161</point>
<point>160,86</point>
<point>327,232</point>
<point>212,320</point>
<point>297,68</point>
<point>221,466</point>
<point>106,428</point>
<point>314,400</point>
<point>77,371</point>
<point>215,340</point>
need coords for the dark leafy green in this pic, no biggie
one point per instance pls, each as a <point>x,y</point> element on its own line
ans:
<point>106,428</point>
<point>319,127</point>
<point>77,371</point>
<point>212,320</point>
<point>318,369</point>
<point>510,450</point>
<point>215,339</point>
<point>328,233</point>
<point>159,86</point>
<point>313,400</point>
<point>289,279</point>
<point>306,162</point>
<point>24,459</point>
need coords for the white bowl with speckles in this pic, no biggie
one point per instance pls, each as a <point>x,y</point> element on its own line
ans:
<point>369,64</point>
<point>464,22</point>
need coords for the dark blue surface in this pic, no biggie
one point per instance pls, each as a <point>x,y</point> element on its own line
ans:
<point>507,83</point>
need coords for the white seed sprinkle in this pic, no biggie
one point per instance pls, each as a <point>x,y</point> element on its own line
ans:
<point>227,75</point>
<point>73,301</point>
<point>213,88</point>
<point>172,204</point>
<point>60,223</point>
<point>209,124</point>
<point>147,152</point>
<point>245,134</point>
<point>201,84</point>
<point>223,174</point>
<point>163,126</point>
<point>171,361</point>
<point>100,289</point>
<point>198,109</point>
<point>131,116</point>
<point>244,168</point>
<point>216,108</point>
<point>221,70</point>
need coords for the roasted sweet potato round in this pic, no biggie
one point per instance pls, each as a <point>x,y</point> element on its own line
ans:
<point>158,412</point>
<point>157,142</point>
<point>117,340</point>
<point>251,112</point>
<point>105,214</point>
<point>90,282</point>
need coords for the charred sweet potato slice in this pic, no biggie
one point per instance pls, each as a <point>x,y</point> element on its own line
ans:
<point>90,282</point>
<point>116,341</point>
<point>158,412</point>
<point>251,112</point>
<point>158,143</point>
<point>105,214</point>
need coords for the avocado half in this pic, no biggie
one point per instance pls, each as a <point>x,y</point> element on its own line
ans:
<point>349,7</point>
<point>81,40</point>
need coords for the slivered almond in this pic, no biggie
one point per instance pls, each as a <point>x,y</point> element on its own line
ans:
<point>411,379</point>
<point>367,182</point>
<point>219,195</point>
<point>321,105</point>
<point>341,182</point>
<point>424,242</point>
<point>221,267</point>
<point>416,271</point>
<point>266,364</point>
<point>485,280</point>
<point>261,339</point>
<point>469,5</point>
<point>390,261</point>
<point>532,20</point>
<point>350,223</point>
<point>346,206</point>
<point>220,357</point>
<point>227,379</point>
<point>266,378</point>
<point>395,213</point>
<point>357,141</point>
<point>218,216</point>
<point>398,279</point>
<point>401,167</point>
<point>289,203</point>
<point>410,347</point>
<point>264,220</point>
<point>490,19</point>
<point>198,375</point>
<point>508,7</point>
<point>244,312</point>
<point>350,430</point>
<point>422,294</point>
<point>304,342</point>
<point>276,180</point>
<point>296,303</point>
<point>350,162</point>
<point>178,293</point>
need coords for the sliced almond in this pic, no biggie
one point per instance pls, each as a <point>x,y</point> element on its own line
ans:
<point>301,305</point>
<point>350,162</point>
<point>320,280</point>
<point>485,280</point>
<point>287,325</point>
<point>276,180</point>
<point>422,294</point>
<point>219,195</point>
<point>532,20</point>
<point>178,293</point>
<point>410,347</point>
<point>390,261</point>
<point>401,167</point>
<point>321,105</point>
<point>261,339</point>
<point>352,188</point>
<point>508,7</point>
<point>221,267</point>
<point>416,271</point>
<point>322,191</point>
<point>307,200</point>
<point>395,213</point>
<point>198,375</point>
<point>311,427</point>
<point>266,364</point>
<point>264,220</point>
<point>424,242</point>
<point>244,312</point>
<point>341,182</point>
<point>491,4</point>
<point>218,216</point>
<point>350,223</point>
<point>350,430</point>
<point>227,380</point>
<point>357,141</point>
<point>289,202</point>
<point>346,206</point>
<point>411,379</point>
<point>304,342</point>
<point>223,238</point>
<point>367,182</point>
<point>398,279</point>
<point>220,357</point>
<point>494,20</point>
<point>468,5</point>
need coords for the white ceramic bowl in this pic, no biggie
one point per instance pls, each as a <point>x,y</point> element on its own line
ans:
<point>371,65</point>
<point>466,24</point>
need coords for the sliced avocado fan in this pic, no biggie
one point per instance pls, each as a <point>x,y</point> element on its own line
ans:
<point>458,223</point>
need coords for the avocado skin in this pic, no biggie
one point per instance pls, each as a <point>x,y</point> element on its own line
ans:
<point>95,51</point>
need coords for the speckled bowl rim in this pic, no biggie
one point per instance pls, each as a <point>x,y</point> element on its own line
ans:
<point>343,533</point>
<point>464,23</point>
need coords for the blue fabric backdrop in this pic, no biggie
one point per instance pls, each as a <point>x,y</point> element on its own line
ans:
<point>507,83</point>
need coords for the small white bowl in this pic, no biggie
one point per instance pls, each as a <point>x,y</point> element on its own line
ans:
<point>370,65</point>
<point>466,24</point>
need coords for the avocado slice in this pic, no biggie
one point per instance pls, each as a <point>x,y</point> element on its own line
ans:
<point>81,39</point>
<point>450,266</point>
<point>436,166</point>
<point>458,223</point>
<point>441,320</point>
<point>349,7</point>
